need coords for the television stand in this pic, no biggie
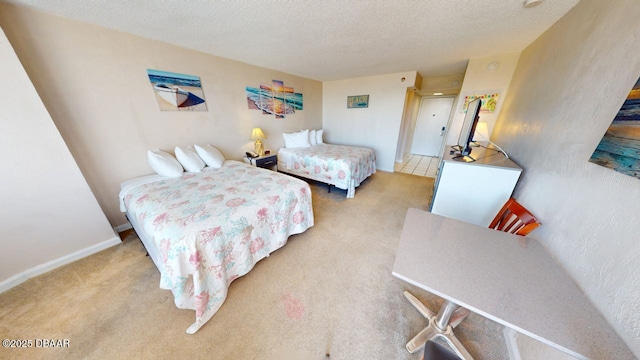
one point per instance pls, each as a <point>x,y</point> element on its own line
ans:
<point>473,191</point>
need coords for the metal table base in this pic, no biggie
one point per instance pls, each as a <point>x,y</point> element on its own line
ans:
<point>440,325</point>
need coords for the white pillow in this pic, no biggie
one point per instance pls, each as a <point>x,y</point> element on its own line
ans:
<point>312,137</point>
<point>319,136</point>
<point>164,163</point>
<point>297,140</point>
<point>190,161</point>
<point>210,155</point>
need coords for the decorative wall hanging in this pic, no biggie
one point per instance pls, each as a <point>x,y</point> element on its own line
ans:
<point>489,102</point>
<point>275,99</point>
<point>357,101</point>
<point>177,92</point>
<point>619,148</point>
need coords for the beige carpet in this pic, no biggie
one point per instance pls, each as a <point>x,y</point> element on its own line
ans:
<point>329,290</point>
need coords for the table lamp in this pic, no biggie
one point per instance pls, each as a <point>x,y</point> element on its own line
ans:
<point>258,135</point>
<point>482,132</point>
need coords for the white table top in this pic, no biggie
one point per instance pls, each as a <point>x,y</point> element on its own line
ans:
<point>493,274</point>
<point>489,156</point>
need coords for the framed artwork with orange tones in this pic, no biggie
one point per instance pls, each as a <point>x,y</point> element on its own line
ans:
<point>274,99</point>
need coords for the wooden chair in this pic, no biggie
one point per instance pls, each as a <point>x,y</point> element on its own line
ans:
<point>515,219</point>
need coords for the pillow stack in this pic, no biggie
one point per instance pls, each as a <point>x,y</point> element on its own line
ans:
<point>297,140</point>
<point>190,161</point>
<point>164,163</point>
<point>186,159</point>
<point>319,137</point>
<point>302,139</point>
<point>210,155</point>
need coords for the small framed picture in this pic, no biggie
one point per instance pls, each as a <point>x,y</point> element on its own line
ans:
<point>357,101</point>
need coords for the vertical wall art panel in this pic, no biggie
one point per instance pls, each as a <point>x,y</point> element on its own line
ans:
<point>619,148</point>
<point>278,99</point>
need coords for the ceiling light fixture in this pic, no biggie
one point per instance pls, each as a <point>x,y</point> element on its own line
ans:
<point>531,3</point>
<point>438,94</point>
<point>493,65</point>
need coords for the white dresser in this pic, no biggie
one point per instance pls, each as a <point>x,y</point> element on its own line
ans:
<point>474,191</point>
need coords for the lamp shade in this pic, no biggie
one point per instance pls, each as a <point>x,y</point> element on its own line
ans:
<point>257,134</point>
<point>482,132</point>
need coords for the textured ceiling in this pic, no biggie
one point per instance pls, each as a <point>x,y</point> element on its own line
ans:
<point>328,40</point>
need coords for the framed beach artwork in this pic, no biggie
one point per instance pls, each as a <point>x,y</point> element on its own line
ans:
<point>274,99</point>
<point>488,102</point>
<point>619,148</point>
<point>357,101</point>
<point>177,92</point>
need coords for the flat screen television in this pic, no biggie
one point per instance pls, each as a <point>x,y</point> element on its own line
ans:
<point>468,128</point>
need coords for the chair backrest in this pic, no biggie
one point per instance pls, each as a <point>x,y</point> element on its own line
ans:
<point>515,219</point>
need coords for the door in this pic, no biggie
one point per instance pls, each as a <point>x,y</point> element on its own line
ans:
<point>433,117</point>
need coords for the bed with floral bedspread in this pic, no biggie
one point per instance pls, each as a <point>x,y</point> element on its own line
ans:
<point>203,230</point>
<point>345,167</point>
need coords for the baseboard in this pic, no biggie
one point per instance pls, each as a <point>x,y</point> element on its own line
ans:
<point>120,228</point>
<point>48,266</point>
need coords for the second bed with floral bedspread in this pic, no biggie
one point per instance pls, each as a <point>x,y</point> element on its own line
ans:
<point>345,167</point>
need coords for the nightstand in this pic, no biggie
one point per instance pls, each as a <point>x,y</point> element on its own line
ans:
<point>267,161</point>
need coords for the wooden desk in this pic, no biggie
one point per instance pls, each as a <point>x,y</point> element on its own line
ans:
<point>493,274</point>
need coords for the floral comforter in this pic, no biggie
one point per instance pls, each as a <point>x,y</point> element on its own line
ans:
<point>346,167</point>
<point>213,227</point>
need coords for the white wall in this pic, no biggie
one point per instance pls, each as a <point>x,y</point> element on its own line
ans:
<point>478,79</point>
<point>48,215</point>
<point>408,125</point>
<point>94,83</point>
<point>377,126</point>
<point>566,90</point>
